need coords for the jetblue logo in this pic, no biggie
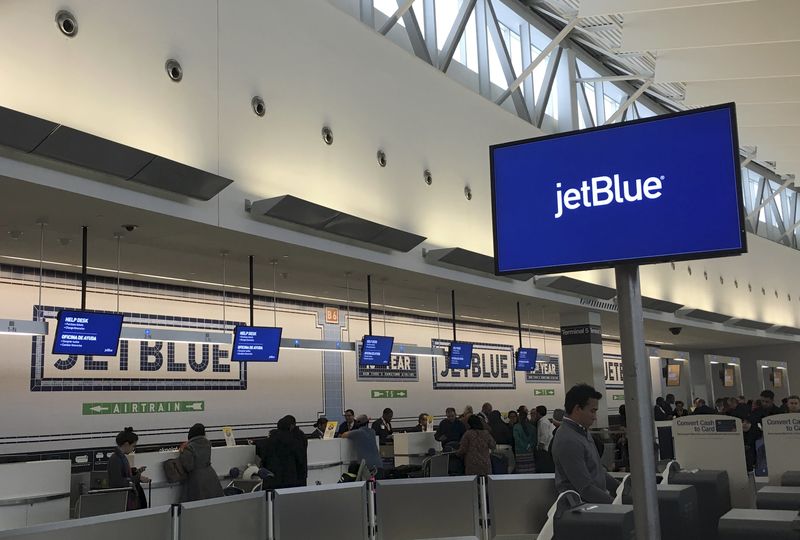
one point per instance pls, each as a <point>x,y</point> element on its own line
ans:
<point>604,190</point>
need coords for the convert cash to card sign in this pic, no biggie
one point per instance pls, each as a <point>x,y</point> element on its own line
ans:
<point>658,189</point>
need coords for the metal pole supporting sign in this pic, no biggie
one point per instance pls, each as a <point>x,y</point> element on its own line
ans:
<point>638,408</point>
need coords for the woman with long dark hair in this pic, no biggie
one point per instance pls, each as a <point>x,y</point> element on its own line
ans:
<point>122,475</point>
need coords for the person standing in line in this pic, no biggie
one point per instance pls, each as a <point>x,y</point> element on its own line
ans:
<point>486,410</point>
<point>363,437</point>
<point>450,430</point>
<point>680,411</point>
<point>122,475</point>
<point>298,434</point>
<point>793,404</point>
<point>284,457</point>
<point>476,447</point>
<point>525,441</point>
<point>202,481</point>
<point>577,461</point>
<point>500,430</point>
<point>513,418</point>
<point>669,404</point>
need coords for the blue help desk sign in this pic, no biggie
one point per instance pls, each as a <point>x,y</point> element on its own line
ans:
<point>87,333</point>
<point>658,189</point>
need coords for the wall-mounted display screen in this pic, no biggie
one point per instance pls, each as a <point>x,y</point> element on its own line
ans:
<point>87,333</point>
<point>460,355</point>
<point>256,343</point>
<point>526,359</point>
<point>375,350</point>
<point>598,197</point>
<point>674,375</point>
<point>730,377</point>
<point>778,378</point>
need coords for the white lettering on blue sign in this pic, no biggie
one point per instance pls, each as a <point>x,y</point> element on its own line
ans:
<point>603,190</point>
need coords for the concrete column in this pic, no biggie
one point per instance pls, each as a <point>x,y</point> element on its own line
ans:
<point>582,352</point>
<point>697,369</point>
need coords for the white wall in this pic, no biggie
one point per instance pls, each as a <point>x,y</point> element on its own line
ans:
<point>314,65</point>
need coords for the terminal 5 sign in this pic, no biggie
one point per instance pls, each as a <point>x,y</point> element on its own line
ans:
<point>659,189</point>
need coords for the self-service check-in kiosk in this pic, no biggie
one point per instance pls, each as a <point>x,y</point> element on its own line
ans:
<point>713,498</point>
<point>748,524</point>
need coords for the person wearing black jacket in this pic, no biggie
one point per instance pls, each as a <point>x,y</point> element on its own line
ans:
<point>122,475</point>
<point>751,434</point>
<point>500,430</point>
<point>284,456</point>
<point>660,411</point>
<point>450,430</point>
<point>383,426</point>
<point>319,428</point>
<point>767,407</point>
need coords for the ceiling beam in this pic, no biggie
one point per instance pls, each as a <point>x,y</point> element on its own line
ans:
<point>712,26</point>
<point>593,8</point>
<point>743,91</point>
<point>735,62</point>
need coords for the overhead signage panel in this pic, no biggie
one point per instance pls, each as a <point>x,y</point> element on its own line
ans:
<point>657,189</point>
<point>256,344</point>
<point>87,332</point>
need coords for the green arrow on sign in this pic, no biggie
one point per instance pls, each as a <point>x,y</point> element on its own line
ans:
<point>143,407</point>
<point>391,394</point>
<point>618,397</point>
<point>544,392</point>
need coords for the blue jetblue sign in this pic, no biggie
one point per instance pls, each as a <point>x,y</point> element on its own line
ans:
<point>658,189</point>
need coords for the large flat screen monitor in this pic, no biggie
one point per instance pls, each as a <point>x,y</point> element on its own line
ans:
<point>460,355</point>
<point>256,343</point>
<point>729,377</point>
<point>635,192</point>
<point>674,375</point>
<point>375,350</point>
<point>87,333</point>
<point>526,359</point>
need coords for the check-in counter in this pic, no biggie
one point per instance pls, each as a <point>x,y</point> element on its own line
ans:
<point>412,448</point>
<point>223,458</point>
<point>329,459</point>
<point>325,460</point>
<point>34,492</point>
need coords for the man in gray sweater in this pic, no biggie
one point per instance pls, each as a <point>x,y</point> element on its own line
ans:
<point>577,461</point>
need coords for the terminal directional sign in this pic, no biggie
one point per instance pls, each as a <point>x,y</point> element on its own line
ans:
<point>544,392</point>
<point>618,397</point>
<point>379,394</point>
<point>143,407</point>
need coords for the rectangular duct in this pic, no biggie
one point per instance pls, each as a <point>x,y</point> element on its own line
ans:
<point>749,324</point>
<point>790,330</point>
<point>307,214</point>
<point>654,304</point>
<point>576,286</point>
<point>463,259</point>
<point>39,137</point>
<point>22,131</point>
<point>702,315</point>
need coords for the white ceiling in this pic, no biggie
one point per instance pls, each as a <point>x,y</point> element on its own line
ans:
<point>719,51</point>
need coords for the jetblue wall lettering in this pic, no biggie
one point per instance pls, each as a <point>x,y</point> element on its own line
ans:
<point>151,358</point>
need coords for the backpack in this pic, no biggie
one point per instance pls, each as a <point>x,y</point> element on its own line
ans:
<point>174,471</point>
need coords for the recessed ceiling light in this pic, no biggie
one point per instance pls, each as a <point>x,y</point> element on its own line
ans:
<point>15,235</point>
